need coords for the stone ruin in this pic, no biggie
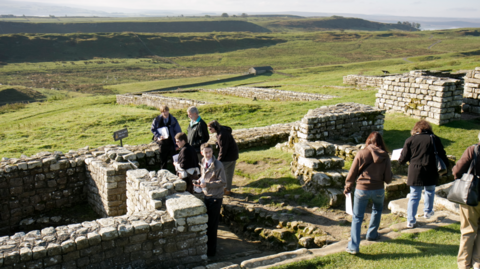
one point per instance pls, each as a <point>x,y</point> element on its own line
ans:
<point>164,226</point>
<point>156,99</point>
<point>437,100</point>
<point>471,96</point>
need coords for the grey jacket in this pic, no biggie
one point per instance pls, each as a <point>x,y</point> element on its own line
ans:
<point>215,179</point>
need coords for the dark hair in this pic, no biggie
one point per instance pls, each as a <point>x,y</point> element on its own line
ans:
<point>215,125</point>
<point>420,127</point>
<point>375,138</point>
<point>205,146</point>
<point>181,136</point>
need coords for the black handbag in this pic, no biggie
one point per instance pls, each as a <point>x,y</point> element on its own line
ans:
<point>441,167</point>
<point>464,191</point>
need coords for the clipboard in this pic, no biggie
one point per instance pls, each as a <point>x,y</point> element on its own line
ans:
<point>348,204</point>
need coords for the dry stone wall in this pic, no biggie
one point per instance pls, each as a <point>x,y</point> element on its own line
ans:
<point>269,94</point>
<point>471,94</point>
<point>345,121</point>
<point>438,100</point>
<point>157,100</point>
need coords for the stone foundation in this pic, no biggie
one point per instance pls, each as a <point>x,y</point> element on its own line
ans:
<point>471,95</point>
<point>157,100</point>
<point>436,99</point>
<point>269,94</point>
<point>346,122</point>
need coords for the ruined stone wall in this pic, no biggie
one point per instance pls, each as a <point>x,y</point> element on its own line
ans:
<point>471,93</point>
<point>157,100</point>
<point>39,183</point>
<point>347,122</point>
<point>152,239</point>
<point>436,99</point>
<point>269,94</point>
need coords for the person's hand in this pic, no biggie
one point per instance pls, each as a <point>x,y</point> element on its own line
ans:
<point>346,191</point>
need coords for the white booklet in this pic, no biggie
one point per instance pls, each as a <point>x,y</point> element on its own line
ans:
<point>163,131</point>
<point>396,154</point>
<point>175,158</point>
<point>348,204</point>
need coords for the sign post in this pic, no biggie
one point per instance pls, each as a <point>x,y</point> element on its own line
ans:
<point>119,135</point>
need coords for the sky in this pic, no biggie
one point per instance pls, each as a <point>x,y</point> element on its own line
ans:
<point>422,8</point>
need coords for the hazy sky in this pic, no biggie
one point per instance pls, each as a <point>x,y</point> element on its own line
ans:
<point>424,8</point>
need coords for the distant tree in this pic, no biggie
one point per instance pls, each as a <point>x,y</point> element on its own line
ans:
<point>207,16</point>
<point>234,16</point>
<point>52,16</point>
<point>181,15</point>
<point>244,15</point>
<point>399,22</point>
<point>417,25</point>
<point>225,15</point>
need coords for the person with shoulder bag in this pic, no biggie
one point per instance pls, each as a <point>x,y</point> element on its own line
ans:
<point>371,169</point>
<point>421,151</point>
<point>469,250</point>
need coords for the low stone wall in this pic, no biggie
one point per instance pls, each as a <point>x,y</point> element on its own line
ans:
<point>436,99</point>
<point>363,81</point>
<point>347,122</point>
<point>260,136</point>
<point>40,183</point>
<point>157,100</point>
<point>150,239</point>
<point>471,95</point>
<point>269,94</point>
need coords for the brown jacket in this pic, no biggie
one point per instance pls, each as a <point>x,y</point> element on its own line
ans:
<point>370,169</point>
<point>461,167</point>
<point>215,179</point>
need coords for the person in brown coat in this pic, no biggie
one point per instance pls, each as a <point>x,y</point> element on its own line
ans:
<point>469,250</point>
<point>371,169</point>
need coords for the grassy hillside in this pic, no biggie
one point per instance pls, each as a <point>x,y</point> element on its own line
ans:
<point>332,23</point>
<point>18,94</point>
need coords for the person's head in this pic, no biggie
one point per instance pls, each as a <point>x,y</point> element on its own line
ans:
<point>375,138</point>
<point>181,139</point>
<point>207,151</point>
<point>192,113</point>
<point>214,126</point>
<point>421,126</point>
<point>165,111</point>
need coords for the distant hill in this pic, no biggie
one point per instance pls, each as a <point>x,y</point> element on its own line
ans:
<point>334,23</point>
<point>138,27</point>
<point>10,94</point>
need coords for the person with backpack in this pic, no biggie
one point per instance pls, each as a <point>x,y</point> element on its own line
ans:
<point>469,250</point>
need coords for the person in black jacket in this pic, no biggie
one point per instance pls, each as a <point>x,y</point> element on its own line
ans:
<point>187,164</point>
<point>228,151</point>
<point>197,130</point>
<point>469,250</point>
<point>166,144</point>
<point>422,170</point>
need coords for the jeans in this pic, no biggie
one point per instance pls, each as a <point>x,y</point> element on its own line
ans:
<point>415,196</point>
<point>359,205</point>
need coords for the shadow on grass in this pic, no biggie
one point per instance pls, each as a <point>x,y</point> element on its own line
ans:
<point>396,138</point>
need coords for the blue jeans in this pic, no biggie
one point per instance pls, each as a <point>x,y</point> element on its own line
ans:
<point>414,200</point>
<point>359,206</point>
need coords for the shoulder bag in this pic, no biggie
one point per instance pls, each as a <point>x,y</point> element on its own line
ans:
<point>442,168</point>
<point>464,191</point>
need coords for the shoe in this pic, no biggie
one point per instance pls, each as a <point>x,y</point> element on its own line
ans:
<point>227,192</point>
<point>373,239</point>
<point>353,252</point>
<point>410,225</point>
<point>429,215</point>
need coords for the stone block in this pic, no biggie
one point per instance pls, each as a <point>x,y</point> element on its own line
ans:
<point>183,205</point>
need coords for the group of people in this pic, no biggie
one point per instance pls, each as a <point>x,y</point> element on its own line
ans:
<point>195,163</point>
<point>371,169</point>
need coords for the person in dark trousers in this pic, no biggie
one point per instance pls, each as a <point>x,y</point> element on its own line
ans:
<point>422,170</point>
<point>197,130</point>
<point>166,144</point>
<point>371,169</point>
<point>212,183</point>
<point>469,250</point>
<point>187,164</point>
<point>228,151</point>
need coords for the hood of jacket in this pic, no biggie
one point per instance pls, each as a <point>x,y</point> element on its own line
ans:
<point>378,154</point>
<point>226,129</point>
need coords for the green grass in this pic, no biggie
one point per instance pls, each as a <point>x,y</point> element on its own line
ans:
<point>432,249</point>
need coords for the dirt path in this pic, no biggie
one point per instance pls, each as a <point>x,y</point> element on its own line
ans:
<point>438,41</point>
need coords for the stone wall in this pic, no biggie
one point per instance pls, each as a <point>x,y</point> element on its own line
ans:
<point>471,95</point>
<point>153,239</point>
<point>157,100</point>
<point>436,99</point>
<point>39,183</point>
<point>347,122</point>
<point>269,94</point>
